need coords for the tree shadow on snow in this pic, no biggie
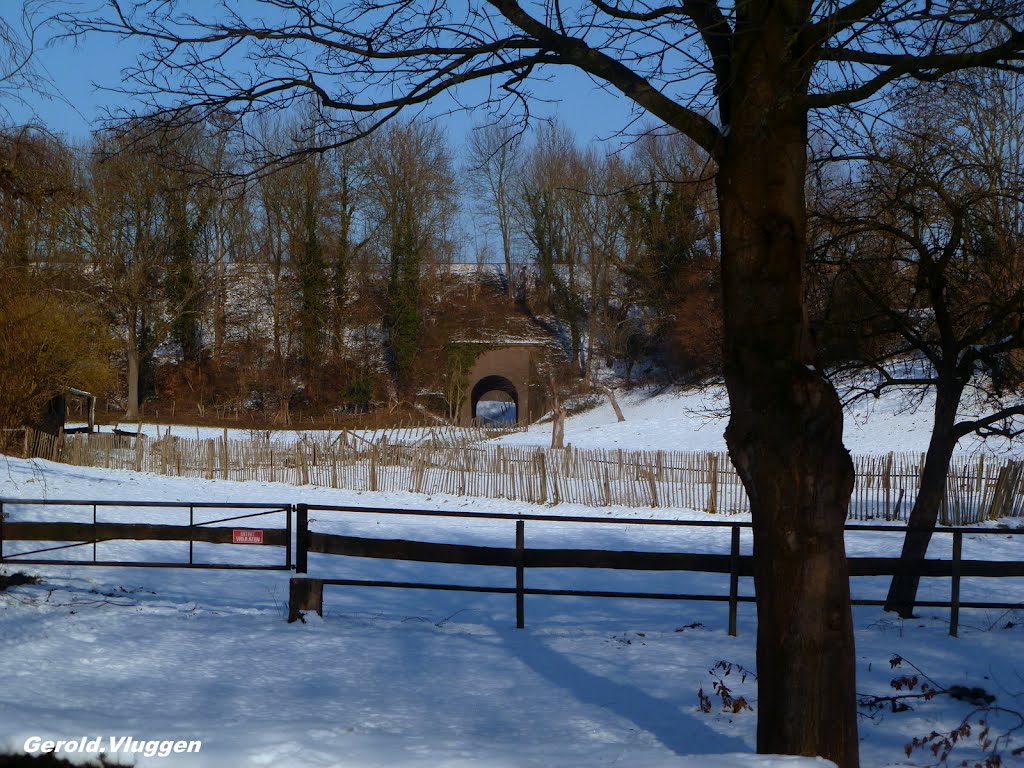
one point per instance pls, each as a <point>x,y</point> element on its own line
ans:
<point>681,732</point>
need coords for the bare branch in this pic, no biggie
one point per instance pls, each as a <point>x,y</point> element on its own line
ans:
<point>576,52</point>
<point>984,425</point>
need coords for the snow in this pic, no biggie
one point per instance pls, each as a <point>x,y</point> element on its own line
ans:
<point>695,420</point>
<point>410,678</point>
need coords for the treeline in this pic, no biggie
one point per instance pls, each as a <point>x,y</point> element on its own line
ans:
<point>165,264</point>
<point>158,263</point>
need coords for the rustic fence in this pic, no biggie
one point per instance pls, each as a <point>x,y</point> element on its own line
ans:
<point>979,488</point>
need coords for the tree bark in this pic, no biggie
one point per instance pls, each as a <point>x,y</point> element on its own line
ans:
<point>558,428</point>
<point>610,393</point>
<point>131,411</point>
<point>134,360</point>
<point>785,430</point>
<point>925,514</point>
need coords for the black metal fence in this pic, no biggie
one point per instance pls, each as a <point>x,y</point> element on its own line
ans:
<point>307,593</point>
<point>74,527</point>
<point>79,530</point>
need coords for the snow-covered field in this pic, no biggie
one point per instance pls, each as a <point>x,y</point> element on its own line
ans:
<point>413,678</point>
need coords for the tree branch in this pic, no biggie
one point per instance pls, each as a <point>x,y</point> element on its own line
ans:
<point>572,50</point>
<point>963,428</point>
<point>920,66</point>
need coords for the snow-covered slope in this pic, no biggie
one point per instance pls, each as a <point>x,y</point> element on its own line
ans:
<point>695,420</point>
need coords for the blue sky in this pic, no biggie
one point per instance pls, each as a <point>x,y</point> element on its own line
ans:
<point>83,75</point>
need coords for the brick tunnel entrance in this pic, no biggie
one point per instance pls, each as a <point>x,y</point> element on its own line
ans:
<point>495,384</point>
<point>509,373</point>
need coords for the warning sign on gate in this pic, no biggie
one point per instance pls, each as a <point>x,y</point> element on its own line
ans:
<point>247,536</point>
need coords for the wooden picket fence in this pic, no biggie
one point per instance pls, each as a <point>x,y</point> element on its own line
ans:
<point>979,487</point>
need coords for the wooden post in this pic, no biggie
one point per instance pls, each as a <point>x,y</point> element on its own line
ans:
<point>543,478</point>
<point>713,480</point>
<point>520,574</point>
<point>653,486</point>
<point>887,485</point>
<point>734,578</point>
<point>954,590</point>
<point>225,463</point>
<point>210,451</point>
<point>305,595</point>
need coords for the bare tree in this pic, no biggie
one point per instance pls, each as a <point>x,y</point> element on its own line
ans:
<point>141,210</point>
<point>347,166</point>
<point>228,242</point>
<point>19,73</point>
<point>551,211</point>
<point>671,268</point>
<point>410,190</point>
<point>928,237</point>
<point>741,80</point>
<point>604,213</point>
<point>494,164</point>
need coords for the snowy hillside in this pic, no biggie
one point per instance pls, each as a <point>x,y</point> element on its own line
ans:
<point>695,420</point>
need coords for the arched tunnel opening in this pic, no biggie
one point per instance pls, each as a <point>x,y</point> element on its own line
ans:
<point>494,400</point>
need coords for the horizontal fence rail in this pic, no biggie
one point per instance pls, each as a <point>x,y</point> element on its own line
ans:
<point>979,488</point>
<point>307,593</point>
<point>36,521</point>
<point>241,525</point>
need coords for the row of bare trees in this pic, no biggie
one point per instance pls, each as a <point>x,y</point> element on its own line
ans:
<point>327,279</point>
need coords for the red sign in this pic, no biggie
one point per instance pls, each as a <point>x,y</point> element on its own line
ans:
<point>247,536</point>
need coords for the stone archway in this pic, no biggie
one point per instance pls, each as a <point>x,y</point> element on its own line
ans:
<point>512,369</point>
<point>489,384</point>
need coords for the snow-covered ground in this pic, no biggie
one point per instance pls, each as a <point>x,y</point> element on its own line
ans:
<point>414,679</point>
<point>405,678</point>
<point>695,420</point>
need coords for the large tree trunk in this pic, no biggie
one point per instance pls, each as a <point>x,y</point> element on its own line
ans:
<point>134,355</point>
<point>785,430</point>
<point>925,514</point>
<point>131,411</point>
<point>220,295</point>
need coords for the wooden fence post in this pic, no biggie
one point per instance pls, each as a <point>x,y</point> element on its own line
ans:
<point>225,463</point>
<point>543,477</point>
<point>653,486</point>
<point>305,595</point>
<point>713,479</point>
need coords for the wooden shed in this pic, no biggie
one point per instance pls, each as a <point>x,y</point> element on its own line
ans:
<point>54,416</point>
